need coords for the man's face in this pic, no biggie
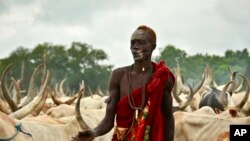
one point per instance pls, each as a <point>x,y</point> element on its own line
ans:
<point>140,46</point>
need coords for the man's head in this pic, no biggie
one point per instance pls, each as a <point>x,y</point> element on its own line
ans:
<point>143,42</point>
<point>150,33</point>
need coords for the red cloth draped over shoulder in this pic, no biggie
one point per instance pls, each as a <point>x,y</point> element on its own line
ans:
<point>154,91</point>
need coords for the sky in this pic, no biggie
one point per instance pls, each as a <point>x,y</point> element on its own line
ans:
<point>195,26</point>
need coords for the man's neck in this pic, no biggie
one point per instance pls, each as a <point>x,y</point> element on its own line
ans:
<point>141,67</point>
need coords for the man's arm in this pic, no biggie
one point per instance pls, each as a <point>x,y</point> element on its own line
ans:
<point>108,121</point>
<point>168,112</point>
<point>114,95</point>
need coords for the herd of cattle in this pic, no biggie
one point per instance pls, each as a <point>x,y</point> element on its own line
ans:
<point>202,113</point>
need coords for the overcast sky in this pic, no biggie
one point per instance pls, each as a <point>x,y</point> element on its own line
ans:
<point>195,26</point>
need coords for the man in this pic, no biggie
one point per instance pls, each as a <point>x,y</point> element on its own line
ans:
<point>140,97</point>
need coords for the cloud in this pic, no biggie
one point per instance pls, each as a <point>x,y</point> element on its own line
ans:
<point>77,11</point>
<point>194,26</point>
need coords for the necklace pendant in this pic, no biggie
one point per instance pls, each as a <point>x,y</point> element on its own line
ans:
<point>136,114</point>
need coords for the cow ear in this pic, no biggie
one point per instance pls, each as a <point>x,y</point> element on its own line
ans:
<point>233,112</point>
<point>217,111</point>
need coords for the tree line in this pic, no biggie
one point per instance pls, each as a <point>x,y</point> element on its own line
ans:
<point>192,66</point>
<point>78,62</point>
<point>81,61</point>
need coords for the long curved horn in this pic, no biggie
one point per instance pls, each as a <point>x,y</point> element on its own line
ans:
<point>208,75</point>
<point>72,99</point>
<point>241,85</point>
<point>45,62</point>
<point>57,93</point>
<point>99,91</point>
<point>79,118</point>
<point>199,85</point>
<point>56,100</point>
<point>179,86</point>
<point>61,91</point>
<point>232,87</point>
<point>5,91</point>
<point>230,70</point>
<point>222,94</point>
<point>245,98</point>
<point>177,98</point>
<point>175,91</point>
<point>19,114</point>
<point>90,92</point>
<point>17,93</point>
<point>214,84</point>
<point>39,107</point>
<point>189,99</point>
<point>31,91</point>
<point>4,107</point>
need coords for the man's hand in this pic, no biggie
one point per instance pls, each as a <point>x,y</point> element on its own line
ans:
<point>86,135</point>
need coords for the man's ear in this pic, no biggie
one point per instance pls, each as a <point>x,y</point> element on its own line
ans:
<point>153,45</point>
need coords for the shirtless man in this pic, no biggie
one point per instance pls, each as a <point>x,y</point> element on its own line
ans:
<point>140,97</point>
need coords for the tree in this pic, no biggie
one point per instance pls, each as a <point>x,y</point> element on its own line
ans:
<point>170,54</point>
<point>77,63</point>
<point>193,66</point>
<point>85,62</point>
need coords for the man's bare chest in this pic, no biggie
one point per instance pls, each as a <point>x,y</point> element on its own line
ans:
<point>135,82</point>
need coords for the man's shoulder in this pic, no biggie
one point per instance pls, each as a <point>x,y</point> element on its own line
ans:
<point>120,70</point>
